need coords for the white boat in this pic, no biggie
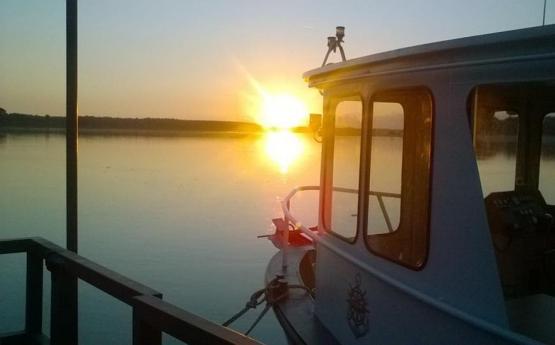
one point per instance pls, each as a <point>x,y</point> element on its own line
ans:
<point>413,244</point>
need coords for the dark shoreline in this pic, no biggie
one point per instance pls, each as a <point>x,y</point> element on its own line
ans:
<point>124,132</point>
<point>93,123</point>
<point>111,126</point>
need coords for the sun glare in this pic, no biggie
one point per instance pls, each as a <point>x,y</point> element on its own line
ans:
<point>283,148</point>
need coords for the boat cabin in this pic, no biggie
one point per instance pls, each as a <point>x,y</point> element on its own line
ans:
<point>437,195</point>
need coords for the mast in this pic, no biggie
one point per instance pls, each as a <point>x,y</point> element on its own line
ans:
<point>69,284</point>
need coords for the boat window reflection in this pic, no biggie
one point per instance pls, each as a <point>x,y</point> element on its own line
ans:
<point>346,161</point>
<point>386,164</point>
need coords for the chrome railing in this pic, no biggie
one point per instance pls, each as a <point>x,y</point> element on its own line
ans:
<point>291,219</point>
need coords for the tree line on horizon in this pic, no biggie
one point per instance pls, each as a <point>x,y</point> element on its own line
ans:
<point>17,120</point>
<point>493,125</point>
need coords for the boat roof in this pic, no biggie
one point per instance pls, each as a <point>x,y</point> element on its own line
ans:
<point>468,50</point>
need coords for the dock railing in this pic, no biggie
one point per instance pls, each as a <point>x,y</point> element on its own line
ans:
<point>151,315</point>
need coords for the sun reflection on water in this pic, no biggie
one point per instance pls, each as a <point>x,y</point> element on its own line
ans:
<point>283,148</point>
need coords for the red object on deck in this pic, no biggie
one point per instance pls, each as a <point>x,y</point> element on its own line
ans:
<point>296,237</point>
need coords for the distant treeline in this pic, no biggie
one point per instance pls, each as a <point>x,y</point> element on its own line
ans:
<point>15,121</point>
<point>94,123</point>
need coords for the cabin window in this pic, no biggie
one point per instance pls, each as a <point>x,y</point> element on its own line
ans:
<point>399,139</point>
<point>345,172</point>
<point>547,162</point>
<point>386,166</point>
<point>495,126</point>
<point>513,137</point>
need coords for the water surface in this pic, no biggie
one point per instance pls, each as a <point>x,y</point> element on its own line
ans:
<point>178,214</point>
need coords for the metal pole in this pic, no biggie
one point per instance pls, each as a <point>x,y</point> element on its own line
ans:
<point>64,328</point>
<point>326,58</point>
<point>343,58</point>
<point>71,125</point>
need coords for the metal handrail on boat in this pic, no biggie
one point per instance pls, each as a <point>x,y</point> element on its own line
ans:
<point>288,216</point>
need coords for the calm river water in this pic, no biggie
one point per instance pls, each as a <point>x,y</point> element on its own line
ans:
<point>179,214</point>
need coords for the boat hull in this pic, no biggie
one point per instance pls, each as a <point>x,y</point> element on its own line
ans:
<point>296,313</point>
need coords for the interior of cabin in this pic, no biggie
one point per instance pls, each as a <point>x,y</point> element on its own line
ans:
<point>514,125</point>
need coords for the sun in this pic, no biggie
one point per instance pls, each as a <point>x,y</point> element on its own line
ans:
<point>282,111</point>
<point>274,107</point>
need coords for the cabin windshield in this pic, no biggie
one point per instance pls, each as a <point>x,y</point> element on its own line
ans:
<point>399,137</point>
<point>386,167</point>
<point>495,142</point>
<point>514,137</point>
<point>514,140</point>
<point>347,123</point>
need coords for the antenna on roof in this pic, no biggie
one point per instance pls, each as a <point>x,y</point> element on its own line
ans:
<point>334,42</point>
<point>544,6</point>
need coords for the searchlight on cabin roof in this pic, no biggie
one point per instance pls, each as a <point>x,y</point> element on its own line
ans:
<point>334,42</point>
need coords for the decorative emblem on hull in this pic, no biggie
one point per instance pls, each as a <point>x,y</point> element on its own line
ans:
<point>357,313</point>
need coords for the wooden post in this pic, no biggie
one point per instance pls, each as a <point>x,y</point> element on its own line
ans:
<point>33,293</point>
<point>63,311</point>
<point>143,333</point>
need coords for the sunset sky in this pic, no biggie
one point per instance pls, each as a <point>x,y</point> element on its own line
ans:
<point>204,59</point>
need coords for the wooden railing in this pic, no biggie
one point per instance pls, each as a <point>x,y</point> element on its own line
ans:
<point>151,315</point>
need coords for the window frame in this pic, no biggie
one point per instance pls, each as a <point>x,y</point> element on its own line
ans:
<point>367,137</point>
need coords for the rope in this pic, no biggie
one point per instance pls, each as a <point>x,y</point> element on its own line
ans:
<point>252,303</point>
<point>267,294</point>
<point>266,308</point>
